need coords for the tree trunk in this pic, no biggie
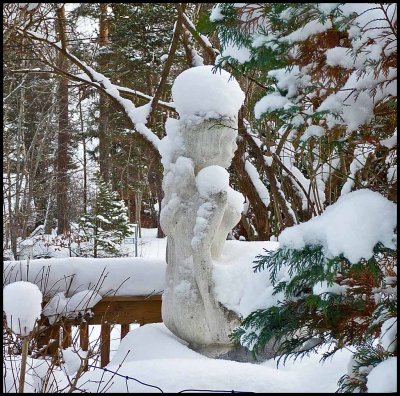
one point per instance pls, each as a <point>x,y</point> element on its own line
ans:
<point>84,160</point>
<point>63,134</point>
<point>260,221</point>
<point>16,214</point>
<point>283,216</point>
<point>25,346</point>
<point>104,138</point>
<point>95,233</point>
<point>48,218</point>
<point>154,177</point>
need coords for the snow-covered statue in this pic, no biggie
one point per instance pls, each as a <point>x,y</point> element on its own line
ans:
<point>199,208</point>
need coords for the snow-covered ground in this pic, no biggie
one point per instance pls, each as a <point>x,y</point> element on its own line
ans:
<point>154,356</point>
<point>151,356</point>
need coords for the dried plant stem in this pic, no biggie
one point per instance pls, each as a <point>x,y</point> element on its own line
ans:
<point>25,343</point>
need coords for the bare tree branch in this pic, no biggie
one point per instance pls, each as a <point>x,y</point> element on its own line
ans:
<point>167,67</point>
<point>101,82</point>
<point>209,51</point>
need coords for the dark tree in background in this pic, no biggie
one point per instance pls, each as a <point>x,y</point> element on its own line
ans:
<point>63,226</point>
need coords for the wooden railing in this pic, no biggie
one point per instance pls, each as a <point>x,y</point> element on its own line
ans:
<point>122,310</point>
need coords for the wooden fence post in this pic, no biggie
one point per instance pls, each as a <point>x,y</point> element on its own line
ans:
<point>67,336</point>
<point>124,330</point>
<point>84,339</point>
<point>105,344</point>
<point>84,336</point>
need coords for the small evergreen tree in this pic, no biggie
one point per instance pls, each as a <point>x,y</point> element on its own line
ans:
<point>107,223</point>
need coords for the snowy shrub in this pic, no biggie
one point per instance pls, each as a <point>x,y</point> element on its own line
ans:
<point>320,125</point>
<point>341,290</point>
<point>28,364</point>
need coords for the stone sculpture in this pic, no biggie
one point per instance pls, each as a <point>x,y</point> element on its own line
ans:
<point>199,209</point>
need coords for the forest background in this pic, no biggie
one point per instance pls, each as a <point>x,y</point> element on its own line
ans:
<point>294,158</point>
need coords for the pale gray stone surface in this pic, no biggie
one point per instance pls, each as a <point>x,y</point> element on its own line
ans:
<point>190,309</point>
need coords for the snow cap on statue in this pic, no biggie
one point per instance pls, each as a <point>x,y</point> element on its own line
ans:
<point>204,92</point>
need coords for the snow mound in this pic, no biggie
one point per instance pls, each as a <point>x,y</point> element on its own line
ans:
<point>388,338</point>
<point>241,54</point>
<point>171,146</point>
<point>216,13</point>
<point>164,345</point>
<point>72,361</point>
<point>158,358</point>
<point>383,377</point>
<point>200,92</point>
<point>22,303</point>
<point>176,374</point>
<point>237,286</point>
<point>212,180</point>
<point>352,226</point>
<point>236,200</point>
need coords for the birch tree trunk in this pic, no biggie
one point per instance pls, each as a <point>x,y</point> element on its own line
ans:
<point>138,207</point>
